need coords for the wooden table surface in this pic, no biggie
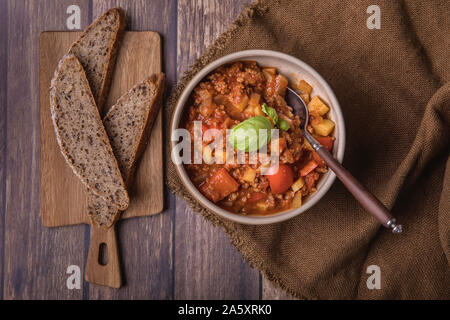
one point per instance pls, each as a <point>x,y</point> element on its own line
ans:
<point>179,255</point>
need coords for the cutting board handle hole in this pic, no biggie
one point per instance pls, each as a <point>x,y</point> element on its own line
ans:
<point>103,254</point>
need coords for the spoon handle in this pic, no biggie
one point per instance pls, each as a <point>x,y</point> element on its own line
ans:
<point>364,196</point>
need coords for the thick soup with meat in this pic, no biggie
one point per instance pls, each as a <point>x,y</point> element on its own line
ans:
<point>242,95</point>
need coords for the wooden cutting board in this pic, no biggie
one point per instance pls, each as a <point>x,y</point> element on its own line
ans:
<point>63,197</point>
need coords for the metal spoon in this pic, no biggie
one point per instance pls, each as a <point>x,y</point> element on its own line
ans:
<point>365,198</point>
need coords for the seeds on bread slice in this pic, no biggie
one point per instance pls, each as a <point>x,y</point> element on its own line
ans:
<point>97,49</point>
<point>129,121</point>
<point>81,135</point>
<point>128,125</point>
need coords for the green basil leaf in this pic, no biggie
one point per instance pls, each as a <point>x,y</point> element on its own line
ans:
<point>284,125</point>
<point>271,112</point>
<point>246,135</point>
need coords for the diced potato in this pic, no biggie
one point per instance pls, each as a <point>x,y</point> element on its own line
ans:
<point>324,128</point>
<point>254,100</point>
<point>297,185</point>
<point>281,83</point>
<point>304,87</point>
<point>305,97</point>
<point>249,112</point>
<point>297,201</point>
<point>254,105</point>
<point>268,75</point>
<point>307,145</point>
<point>242,103</point>
<point>207,154</point>
<point>317,105</point>
<point>262,205</point>
<point>249,175</point>
<point>270,70</point>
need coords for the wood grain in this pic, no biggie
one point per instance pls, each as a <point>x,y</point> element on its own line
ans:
<point>158,263</point>
<point>206,264</point>
<point>56,175</point>
<point>139,56</point>
<point>145,243</point>
<point>35,260</point>
<point>3,99</point>
<point>103,265</point>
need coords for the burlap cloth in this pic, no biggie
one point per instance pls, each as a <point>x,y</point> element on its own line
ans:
<point>393,87</point>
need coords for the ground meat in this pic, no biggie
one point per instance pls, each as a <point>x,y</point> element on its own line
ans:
<point>221,102</point>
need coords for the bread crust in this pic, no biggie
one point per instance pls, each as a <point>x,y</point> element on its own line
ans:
<point>114,49</point>
<point>69,159</point>
<point>141,141</point>
<point>155,105</point>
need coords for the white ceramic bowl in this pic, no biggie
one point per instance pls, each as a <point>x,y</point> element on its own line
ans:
<point>295,70</point>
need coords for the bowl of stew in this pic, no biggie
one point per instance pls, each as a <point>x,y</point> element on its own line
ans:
<point>226,166</point>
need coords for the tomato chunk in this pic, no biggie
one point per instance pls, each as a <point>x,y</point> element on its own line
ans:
<point>219,185</point>
<point>309,167</point>
<point>318,159</point>
<point>257,196</point>
<point>281,180</point>
<point>327,142</point>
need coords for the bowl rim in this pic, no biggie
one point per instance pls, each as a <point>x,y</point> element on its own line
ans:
<point>276,217</point>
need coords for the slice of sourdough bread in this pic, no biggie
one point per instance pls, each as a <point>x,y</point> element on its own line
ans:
<point>81,135</point>
<point>128,124</point>
<point>97,50</point>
